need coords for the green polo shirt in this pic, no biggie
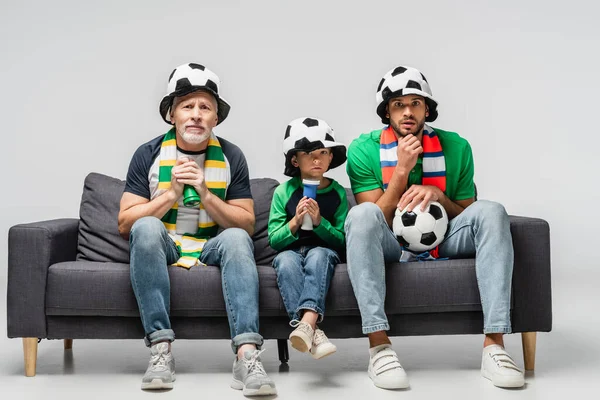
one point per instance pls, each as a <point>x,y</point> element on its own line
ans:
<point>364,167</point>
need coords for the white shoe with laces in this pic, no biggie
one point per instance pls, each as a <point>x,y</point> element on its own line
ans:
<point>301,337</point>
<point>321,346</point>
<point>384,368</point>
<point>161,368</point>
<point>500,368</point>
<point>249,375</point>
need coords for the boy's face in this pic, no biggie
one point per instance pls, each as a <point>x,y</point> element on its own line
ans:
<point>312,164</point>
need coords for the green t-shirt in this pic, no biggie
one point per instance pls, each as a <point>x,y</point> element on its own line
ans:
<point>333,205</point>
<point>364,167</point>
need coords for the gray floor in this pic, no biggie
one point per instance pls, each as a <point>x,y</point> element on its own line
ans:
<point>568,363</point>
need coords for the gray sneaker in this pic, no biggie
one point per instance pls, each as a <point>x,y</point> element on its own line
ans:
<point>249,375</point>
<point>161,368</point>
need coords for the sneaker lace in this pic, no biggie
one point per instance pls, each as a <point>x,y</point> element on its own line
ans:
<point>159,362</point>
<point>320,337</point>
<point>254,365</point>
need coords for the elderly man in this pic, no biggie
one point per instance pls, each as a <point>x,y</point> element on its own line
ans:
<point>181,187</point>
<point>407,164</point>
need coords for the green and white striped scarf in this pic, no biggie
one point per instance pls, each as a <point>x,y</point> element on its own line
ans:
<point>215,175</point>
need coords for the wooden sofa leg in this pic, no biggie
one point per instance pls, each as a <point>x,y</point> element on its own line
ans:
<point>30,346</point>
<point>68,344</point>
<point>282,347</point>
<point>528,339</point>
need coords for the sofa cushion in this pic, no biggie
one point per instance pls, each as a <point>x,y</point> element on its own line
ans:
<point>104,289</point>
<point>262,192</point>
<point>99,238</point>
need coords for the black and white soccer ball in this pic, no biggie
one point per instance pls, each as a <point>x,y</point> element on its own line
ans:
<point>419,231</point>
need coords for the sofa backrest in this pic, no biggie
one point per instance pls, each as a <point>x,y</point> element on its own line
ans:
<point>99,238</point>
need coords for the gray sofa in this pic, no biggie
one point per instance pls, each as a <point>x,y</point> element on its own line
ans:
<point>69,279</point>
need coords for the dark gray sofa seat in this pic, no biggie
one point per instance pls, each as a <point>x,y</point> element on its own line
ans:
<point>69,279</point>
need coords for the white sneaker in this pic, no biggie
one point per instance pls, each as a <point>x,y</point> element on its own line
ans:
<point>384,368</point>
<point>161,368</point>
<point>321,346</point>
<point>302,337</point>
<point>500,368</point>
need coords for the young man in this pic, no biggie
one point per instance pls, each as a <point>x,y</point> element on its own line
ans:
<point>164,230</point>
<point>408,164</point>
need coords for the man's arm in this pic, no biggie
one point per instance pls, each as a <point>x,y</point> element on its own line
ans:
<point>423,195</point>
<point>237,213</point>
<point>387,201</point>
<point>134,207</point>
<point>409,148</point>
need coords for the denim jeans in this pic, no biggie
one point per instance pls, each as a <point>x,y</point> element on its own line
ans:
<point>481,230</point>
<point>303,277</point>
<point>152,250</point>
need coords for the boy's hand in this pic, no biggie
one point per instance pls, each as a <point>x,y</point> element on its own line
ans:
<point>301,210</point>
<point>312,207</point>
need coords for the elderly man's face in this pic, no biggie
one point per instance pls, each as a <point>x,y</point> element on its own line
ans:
<point>194,116</point>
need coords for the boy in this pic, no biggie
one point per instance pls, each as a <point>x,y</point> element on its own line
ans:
<point>307,257</point>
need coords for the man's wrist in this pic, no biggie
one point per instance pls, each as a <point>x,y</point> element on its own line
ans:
<point>203,191</point>
<point>402,171</point>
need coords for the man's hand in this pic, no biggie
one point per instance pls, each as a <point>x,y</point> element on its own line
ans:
<point>409,148</point>
<point>188,172</point>
<point>312,207</point>
<point>419,194</point>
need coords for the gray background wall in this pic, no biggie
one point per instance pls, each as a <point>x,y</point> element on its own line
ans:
<point>81,85</point>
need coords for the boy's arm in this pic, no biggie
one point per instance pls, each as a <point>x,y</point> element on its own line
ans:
<point>332,232</point>
<point>280,235</point>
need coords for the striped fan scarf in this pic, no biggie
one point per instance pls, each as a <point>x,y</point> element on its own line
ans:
<point>434,164</point>
<point>215,174</point>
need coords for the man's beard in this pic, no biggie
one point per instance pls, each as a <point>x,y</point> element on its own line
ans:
<point>396,128</point>
<point>194,138</point>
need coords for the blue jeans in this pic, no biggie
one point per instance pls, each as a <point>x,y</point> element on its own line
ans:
<point>481,230</point>
<point>152,250</point>
<point>303,277</point>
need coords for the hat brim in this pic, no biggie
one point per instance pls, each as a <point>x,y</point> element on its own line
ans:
<point>167,102</point>
<point>431,104</point>
<point>337,149</point>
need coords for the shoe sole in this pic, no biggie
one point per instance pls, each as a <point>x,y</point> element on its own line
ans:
<point>300,343</point>
<point>402,384</point>
<point>264,390</point>
<point>157,384</point>
<point>323,354</point>
<point>503,381</point>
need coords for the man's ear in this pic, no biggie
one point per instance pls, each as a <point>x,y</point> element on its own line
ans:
<point>294,161</point>
<point>387,110</point>
<point>427,111</point>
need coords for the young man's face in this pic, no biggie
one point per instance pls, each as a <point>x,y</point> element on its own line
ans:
<point>194,116</point>
<point>407,114</point>
<point>312,164</point>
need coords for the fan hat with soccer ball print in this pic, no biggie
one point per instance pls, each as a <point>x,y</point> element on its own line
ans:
<point>309,134</point>
<point>189,78</point>
<point>402,81</point>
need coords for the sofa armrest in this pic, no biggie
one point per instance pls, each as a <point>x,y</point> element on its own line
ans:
<point>32,249</point>
<point>532,295</point>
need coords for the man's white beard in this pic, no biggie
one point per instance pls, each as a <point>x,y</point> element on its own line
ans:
<point>194,138</point>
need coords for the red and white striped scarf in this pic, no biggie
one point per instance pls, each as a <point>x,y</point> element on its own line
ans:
<point>434,164</point>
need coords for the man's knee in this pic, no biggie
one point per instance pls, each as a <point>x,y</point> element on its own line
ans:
<point>490,210</point>
<point>146,231</point>
<point>235,237</point>
<point>363,216</point>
